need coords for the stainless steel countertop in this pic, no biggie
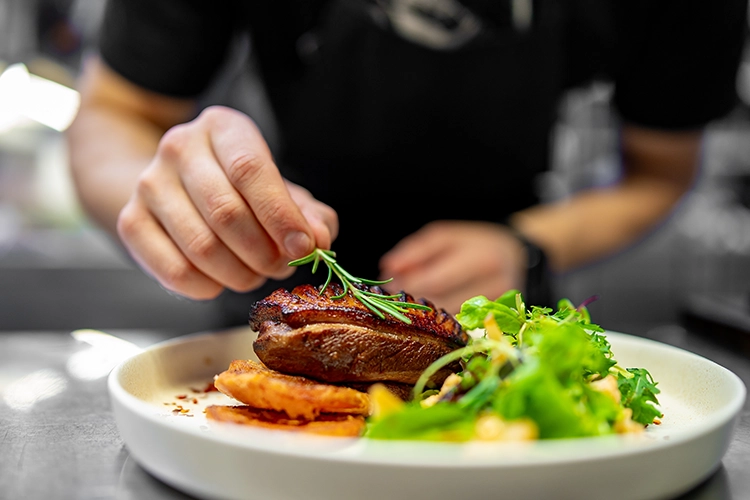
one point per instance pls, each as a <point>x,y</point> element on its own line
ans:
<point>58,438</point>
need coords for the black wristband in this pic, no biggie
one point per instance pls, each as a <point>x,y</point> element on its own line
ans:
<point>538,285</point>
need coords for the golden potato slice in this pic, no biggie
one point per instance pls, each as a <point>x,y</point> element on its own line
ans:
<point>328,424</point>
<point>256,385</point>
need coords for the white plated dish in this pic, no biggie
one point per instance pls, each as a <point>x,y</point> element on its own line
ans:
<point>700,400</point>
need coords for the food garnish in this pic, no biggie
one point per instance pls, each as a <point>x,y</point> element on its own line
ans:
<point>379,304</point>
<point>526,374</point>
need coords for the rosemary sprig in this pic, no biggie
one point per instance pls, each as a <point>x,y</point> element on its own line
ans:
<point>379,304</point>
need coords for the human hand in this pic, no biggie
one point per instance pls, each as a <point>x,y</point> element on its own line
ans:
<point>448,262</point>
<point>212,211</point>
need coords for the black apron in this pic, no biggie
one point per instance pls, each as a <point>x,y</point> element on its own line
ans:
<point>394,135</point>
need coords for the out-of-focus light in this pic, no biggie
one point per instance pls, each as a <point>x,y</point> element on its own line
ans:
<point>52,104</point>
<point>23,393</point>
<point>522,13</point>
<point>14,94</point>
<point>26,96</point>
<point>105,353</point>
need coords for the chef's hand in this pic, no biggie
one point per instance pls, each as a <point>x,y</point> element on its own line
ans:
<point>212,210</point>
<point>449,262</point>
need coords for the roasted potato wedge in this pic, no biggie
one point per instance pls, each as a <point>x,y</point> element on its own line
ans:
<point>328,424</point>
<point>256,385</point>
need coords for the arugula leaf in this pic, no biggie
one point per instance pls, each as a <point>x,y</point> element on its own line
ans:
<point>607,359</point>
<point>569,351</point>
<point>550,386</point>
<point>508,299</point>
<point>639,394</point>
<point>474,311</point>
<point>560,409</point>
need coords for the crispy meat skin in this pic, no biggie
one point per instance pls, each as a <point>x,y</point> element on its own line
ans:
<point>305,305</point>
<point>304,332</point>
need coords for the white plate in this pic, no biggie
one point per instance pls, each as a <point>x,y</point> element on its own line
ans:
<point>700,400</point>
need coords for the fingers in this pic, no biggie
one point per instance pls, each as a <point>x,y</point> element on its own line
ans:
<point>451,300</point>
<point>322,219</point>
<point>200,245</point>
<point>416,250</point>
<point>450,262</point>
<point>243,154</point>
<point>212,211</point>
<point>215,215</point>
<point>445,272</point>
<point>155,252</point>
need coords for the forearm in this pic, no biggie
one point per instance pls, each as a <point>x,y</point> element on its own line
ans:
<point>595,223</point>
<point>107,153</point>
<point>659,170</point>
<point>114,137</point>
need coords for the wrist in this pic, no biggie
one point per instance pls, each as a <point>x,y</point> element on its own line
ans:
<point>537,288</point>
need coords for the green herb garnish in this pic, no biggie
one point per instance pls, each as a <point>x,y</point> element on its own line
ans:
<point>379,304</point>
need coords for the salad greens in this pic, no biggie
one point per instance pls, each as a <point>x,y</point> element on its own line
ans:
<point>527,373</point>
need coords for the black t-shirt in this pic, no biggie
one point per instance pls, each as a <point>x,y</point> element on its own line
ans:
<point>398,112</point>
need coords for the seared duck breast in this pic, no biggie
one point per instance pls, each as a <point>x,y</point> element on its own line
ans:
<point>306,332</point>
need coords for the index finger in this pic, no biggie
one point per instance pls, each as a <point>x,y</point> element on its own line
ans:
<point>245,157</point>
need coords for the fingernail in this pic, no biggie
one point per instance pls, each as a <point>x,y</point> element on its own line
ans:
<point>297,244</point>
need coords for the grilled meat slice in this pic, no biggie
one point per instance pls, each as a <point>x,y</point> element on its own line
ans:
<point>304,332</point>
<point>340,353</point>
<point>305,305</point>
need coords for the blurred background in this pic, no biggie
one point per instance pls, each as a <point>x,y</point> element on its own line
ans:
<point>695,269</point>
